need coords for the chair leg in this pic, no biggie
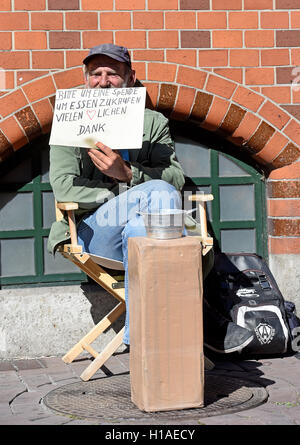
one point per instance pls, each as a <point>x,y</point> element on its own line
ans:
<point>106,281</point>
<point>94,333</point>
<point>101,358</point>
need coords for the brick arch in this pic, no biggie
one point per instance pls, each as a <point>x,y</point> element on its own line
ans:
<point>248,119</point>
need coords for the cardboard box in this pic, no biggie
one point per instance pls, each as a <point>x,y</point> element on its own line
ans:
<point>166,330</point>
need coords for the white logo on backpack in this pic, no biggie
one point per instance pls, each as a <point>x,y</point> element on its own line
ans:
<point>264,333</point>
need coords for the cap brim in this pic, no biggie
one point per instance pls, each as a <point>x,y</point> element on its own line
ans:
<point>104,53</point>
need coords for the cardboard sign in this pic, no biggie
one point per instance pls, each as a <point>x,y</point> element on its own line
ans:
<point>113,116</point>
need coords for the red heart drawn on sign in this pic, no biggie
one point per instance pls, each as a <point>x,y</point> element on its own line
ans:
<point>91,113</point>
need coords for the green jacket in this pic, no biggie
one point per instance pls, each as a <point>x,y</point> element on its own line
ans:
<point>74,177</point>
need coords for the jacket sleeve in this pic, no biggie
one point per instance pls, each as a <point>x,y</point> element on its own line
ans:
<point>160,162</point>
<point>68,184</point>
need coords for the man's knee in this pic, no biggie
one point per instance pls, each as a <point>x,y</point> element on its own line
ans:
<point>160,184</point>
<point>163,195</point>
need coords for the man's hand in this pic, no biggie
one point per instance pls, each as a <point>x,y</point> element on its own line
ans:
<point>110,163</point>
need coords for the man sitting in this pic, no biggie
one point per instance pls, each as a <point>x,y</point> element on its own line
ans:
<point>111,186</point>
<point>95,178</point>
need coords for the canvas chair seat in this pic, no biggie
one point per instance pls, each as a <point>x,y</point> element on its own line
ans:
<point>107,262</point>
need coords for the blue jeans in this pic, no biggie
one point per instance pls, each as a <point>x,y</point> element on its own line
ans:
<point>105,232</point>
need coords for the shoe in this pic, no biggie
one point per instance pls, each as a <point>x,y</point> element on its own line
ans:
<point>222,335</point>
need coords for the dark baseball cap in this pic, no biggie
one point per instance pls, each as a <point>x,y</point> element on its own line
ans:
<point>116,52</point>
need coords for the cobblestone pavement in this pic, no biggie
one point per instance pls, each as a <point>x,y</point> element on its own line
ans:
<point>24,383</point>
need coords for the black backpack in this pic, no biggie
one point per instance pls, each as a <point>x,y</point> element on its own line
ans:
<point>242,287</point>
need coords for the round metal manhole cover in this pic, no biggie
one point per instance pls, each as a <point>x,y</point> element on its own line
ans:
<point>109,399</point>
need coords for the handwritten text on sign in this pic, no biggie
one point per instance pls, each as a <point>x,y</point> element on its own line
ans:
<point>113,116</point>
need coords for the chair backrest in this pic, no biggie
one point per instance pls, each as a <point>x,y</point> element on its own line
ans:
<point>73,247</point>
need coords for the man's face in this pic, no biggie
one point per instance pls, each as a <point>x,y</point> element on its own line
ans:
<point>104,72</point>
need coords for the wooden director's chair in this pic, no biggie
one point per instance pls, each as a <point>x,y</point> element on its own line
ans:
<point>95,267</point>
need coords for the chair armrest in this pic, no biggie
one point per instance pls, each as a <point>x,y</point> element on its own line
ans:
<point>67,205</point>
<point>201,197</point>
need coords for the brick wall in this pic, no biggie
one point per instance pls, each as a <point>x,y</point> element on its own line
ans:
<point>228,65</point>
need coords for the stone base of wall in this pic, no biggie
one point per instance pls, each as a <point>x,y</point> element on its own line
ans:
<point>48,321</point>
<point>286,270</point>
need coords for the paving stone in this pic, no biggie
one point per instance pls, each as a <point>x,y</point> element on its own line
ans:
<point>53,362</point>
<point>32,372</point>
<point>6,366</point>
<point>27,364</point>
<point>4,409</point>
<point>228,420</point>
<point>15,420</point>
<point>12,384</point>
<point>10,394</point>
<point>82,422</point>
<point>252,367</point>
<point>26,410</point>
<point>114,365</point>
<point>78,363</point>
<point>27,398</point>
<point>78,368</point>
<point>124,358</point>
<point>284,394</point>
<point>50,420</point>
<point>270,414</point>
<point>229,366</point>
<point>36,382</point>
<point>62,378</point>
<point>8,376</point>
